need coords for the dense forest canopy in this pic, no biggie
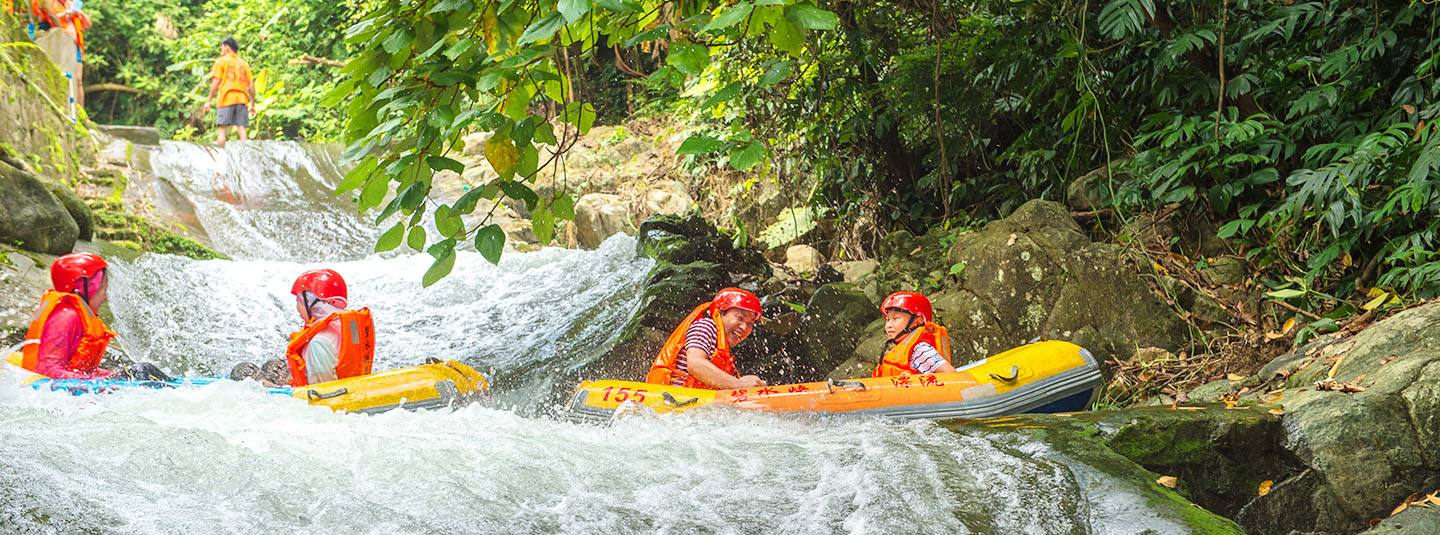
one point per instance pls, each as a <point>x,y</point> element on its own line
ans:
<point>160,53</point>
<point>1302,131</point>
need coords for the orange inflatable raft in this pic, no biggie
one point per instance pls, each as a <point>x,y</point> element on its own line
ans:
<point>1048,376</point>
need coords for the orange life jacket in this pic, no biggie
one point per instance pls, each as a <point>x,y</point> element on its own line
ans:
<point>663,371</point>
<point>897,360</point>
<point>78,21</point>
<point>357,345</point>
<point>93,341</point>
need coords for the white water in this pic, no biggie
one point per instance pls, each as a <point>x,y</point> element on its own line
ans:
<point>228,458</point>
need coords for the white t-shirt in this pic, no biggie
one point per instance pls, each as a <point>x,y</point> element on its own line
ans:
<point>322,354</point>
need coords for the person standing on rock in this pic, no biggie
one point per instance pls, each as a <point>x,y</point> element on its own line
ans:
<point>917,345</point>
<point>60,31</point>
<point>697,355</point>
<point>232,83</point>
<point>67,339</point>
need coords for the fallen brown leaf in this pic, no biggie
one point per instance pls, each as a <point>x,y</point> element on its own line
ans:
<point>1265,487</point>
<point>1234,377</point>
<point>1337,386</point>
<point>1168,481</point>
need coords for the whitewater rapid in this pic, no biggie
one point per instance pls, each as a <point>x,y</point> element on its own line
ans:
<point>230,458</point>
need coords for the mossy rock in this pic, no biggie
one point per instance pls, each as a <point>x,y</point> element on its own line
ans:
<point>31,217</point>
<point>77,208</point>
<point>1090,439</point>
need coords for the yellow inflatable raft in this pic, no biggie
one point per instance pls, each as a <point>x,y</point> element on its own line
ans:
<point>1049,376</point>
<point>435,384</point>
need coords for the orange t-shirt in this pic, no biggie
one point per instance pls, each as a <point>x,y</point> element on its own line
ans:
<point>234,76</point>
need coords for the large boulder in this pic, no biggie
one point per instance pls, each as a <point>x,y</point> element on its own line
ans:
<point>31,217</point>
<point>599,216</point>
<point>1035,274</point>
<point>795,347</point>
<point>1364,452</point>
<point>693,260</point>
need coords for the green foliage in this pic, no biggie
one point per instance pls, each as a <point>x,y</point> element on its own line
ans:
<point>1317,149</point>
<point>425,73</point>
<point>131,44</point>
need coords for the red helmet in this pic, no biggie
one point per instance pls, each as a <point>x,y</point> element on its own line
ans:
<point>72,270</point>
<point>324,283</point>
<point>913,302</point>
<point>736,298</point>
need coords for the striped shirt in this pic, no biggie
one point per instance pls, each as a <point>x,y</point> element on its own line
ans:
<point>701,335</point>
<point>924,358</point>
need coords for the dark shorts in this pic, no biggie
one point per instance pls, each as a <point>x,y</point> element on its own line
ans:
<point>233,115</point>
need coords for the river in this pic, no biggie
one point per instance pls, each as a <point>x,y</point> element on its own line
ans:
<point>228,458</point>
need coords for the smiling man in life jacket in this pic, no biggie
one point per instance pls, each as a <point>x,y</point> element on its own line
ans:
<point>67,338</point>
<point>917,344</point>
<point>335,343</point>
<point>697,355</point>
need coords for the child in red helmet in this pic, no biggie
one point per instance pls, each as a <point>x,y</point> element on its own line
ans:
<point>67,339</point>
<point>919,346</point>
<point>335,343</point>
<point>697,355</point>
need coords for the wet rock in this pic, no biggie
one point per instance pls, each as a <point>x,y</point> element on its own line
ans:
<point>1359,454</point>
<point>1034,274</point>
<point>31,217</point>
<point>1206,451</point>
<point>1411,521</point>
<point>599,216</point>
<point>805,347</point>
<point>23,277</point>
<point>139,135</point>
<point>693,260</point>
<point>803,259</point>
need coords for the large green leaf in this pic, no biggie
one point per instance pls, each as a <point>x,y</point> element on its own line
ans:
<point>700,144</point>
<point>542,29</point>
<point>810,17</point>
<point>690,58</point>
<point>730,16</point>
<point>391,238</point>
<point>572,10</point>
<point>747,157</point>
<point>439,269</point>
<point>490,242</point>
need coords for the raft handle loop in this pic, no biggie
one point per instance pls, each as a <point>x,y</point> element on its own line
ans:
<point>1014,374</point>
<point>675,402</point>
<point>831,384</point>
<point>313,395</point>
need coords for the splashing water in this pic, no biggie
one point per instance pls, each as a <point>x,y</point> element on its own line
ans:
<point>271,200</point>
<point>228,457</point>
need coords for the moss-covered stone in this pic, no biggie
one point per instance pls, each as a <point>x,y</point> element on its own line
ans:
<point>31,217</point>
<point>1104,441</point>
<point>35,120</point>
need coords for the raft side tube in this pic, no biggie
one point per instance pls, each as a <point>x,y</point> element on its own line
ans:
<point>1050,376</point>
<point>435,385</point>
